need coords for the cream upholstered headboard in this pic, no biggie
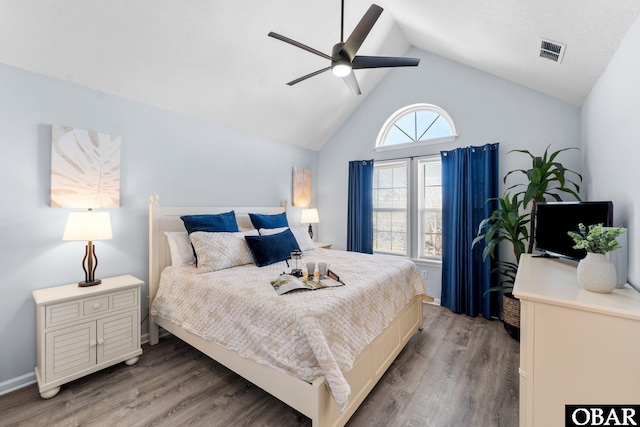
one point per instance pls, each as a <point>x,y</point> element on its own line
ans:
<point>163,219</point>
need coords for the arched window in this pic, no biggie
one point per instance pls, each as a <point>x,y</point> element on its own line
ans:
<point>416,125</point>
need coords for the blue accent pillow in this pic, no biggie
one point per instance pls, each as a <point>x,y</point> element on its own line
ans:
<point>269,221</point>
<point>224,222</point>
<point>267,250</point>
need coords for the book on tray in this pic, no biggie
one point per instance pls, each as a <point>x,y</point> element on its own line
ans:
<point>286,283</point>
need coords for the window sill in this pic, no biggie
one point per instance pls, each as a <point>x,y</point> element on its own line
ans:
<point>433,141</point>
<point>425,262</point>
<point>435,263</point>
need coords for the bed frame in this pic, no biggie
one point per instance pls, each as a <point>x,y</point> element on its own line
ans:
<point>313,400</point>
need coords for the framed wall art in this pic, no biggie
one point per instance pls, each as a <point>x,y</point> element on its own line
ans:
<point>85,168</point>
<point>301,187</point>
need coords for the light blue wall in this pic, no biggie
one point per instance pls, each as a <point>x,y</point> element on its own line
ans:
<point>184,160</point>
<point>485,109</point>
<point>611,141</point>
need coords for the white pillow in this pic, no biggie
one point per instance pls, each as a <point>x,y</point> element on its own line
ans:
<point>220,250</point>
<point>300,232</point>
<point>180,248</point>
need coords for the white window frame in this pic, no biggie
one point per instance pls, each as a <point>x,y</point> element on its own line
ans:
<point>407,164</point>
<point>414,210</point>
<point>421,209</point>
<point>388,125</point>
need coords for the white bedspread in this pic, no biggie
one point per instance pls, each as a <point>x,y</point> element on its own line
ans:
<point>304,333</point>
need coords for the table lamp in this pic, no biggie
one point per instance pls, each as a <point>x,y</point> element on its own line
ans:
<point>88,226</point>
<point>310,216</point>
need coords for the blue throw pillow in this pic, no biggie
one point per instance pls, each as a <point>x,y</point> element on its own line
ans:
<point>224,222</point>
<point>271,249</point>
<point>269,221</point>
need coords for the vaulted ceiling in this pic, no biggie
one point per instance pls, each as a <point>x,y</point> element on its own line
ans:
<point>212,59</point>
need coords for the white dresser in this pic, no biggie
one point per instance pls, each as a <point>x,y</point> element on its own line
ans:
<point>576,347</point>
<point>82,330</point>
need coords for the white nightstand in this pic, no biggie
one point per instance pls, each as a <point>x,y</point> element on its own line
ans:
<point>82,330</point>
<point>322,245</point>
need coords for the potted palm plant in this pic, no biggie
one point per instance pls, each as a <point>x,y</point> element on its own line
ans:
<point>545,179</point>
<point>506,224</point>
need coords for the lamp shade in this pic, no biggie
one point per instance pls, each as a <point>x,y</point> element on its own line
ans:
<point>88,226</point>
<point>310,216</point>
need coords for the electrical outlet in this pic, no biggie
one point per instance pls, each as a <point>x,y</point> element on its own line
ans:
<point>424,274</point>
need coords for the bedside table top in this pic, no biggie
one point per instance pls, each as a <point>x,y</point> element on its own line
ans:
<point>73,291</point>
<point>322,245</point>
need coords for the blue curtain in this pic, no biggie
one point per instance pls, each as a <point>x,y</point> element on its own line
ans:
<point>469,178</point>
<point>360,209</point>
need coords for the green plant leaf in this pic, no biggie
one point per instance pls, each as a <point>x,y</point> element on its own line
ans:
<point>523,151</point>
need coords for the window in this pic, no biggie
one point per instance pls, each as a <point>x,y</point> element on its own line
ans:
<point>396,214</point>
<point>416,125</point>
<point>407,193</point>
<point>390,190</point>
<point>430,205</point>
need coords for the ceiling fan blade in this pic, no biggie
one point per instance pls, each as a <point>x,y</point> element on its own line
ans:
<point>352,83</point>
<point>298,44</point>
<point>315,73</point>
<point>360,62</point>
<point>361,31</point>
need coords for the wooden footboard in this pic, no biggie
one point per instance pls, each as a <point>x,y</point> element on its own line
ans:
<point>370,365</point>
<point>315,400</point>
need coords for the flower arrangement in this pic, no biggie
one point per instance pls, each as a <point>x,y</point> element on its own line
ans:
<point>596,240</point>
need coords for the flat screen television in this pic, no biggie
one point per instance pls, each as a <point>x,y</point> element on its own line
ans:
<point>553,220</point>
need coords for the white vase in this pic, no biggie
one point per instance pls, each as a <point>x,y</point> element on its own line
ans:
<point>597,274</point>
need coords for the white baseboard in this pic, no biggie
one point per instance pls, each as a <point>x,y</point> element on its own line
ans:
<point>17,383</point>
<point>27,379</point>
<point>436,301</point>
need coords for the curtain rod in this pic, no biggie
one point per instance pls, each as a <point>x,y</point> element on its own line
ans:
<point>397,158</point>
<point>407,158</point>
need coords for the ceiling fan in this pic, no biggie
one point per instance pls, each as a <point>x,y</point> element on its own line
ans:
<point>343,56</point>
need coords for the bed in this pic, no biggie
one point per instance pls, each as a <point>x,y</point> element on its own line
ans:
<point>301,385</point>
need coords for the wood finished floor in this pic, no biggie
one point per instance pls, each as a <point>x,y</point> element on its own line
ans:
<point>458,371</point>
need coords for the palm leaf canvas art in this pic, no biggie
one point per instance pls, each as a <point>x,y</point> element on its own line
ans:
<point>85,168</point>
<point>301,187</point>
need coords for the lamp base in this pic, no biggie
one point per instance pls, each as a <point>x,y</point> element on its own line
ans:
<point>92,283</point>
<point>89,264</point>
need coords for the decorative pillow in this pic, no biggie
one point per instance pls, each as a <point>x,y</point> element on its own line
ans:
<point>224,222</point>
<point>269,221</point>
<point>271,249</point>
<point>180,248</point>
<point>300,232</point>
<point>220,250</point>
<point>271,231</point>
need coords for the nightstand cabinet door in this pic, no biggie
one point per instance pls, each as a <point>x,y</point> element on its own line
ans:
<point>117,336</point>
<point>70,350</point>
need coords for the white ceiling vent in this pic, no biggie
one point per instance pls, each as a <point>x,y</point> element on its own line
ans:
<point>551,50</point>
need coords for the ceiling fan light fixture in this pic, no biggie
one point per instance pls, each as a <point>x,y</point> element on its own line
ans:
<point>344,56</point>
<point>341,68</point>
